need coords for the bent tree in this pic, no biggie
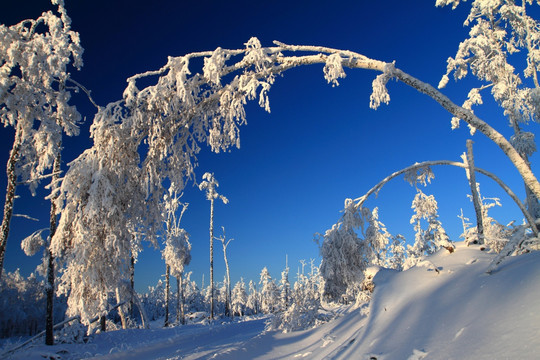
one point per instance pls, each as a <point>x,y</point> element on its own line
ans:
<point>158,129</point>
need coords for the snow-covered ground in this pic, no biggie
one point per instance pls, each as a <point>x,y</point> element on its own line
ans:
<point>452,310</point>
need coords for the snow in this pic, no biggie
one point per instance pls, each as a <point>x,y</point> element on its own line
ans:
<point>459,312</point>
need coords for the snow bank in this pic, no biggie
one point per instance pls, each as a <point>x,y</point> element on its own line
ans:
<point>448,309</point>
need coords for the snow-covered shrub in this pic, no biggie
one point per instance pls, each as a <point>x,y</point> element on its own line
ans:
<point>430,239</point>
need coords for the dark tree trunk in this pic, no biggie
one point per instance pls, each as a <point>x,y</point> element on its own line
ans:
<point>167,280</point>
<point>132,283</point>
<point>10,195</point>
<point>212,259</point>
<point>49,321</point>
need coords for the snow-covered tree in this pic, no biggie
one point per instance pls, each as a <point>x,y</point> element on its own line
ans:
<point>253,300</point>
<point>177,248</point>
<point>35,89</point>
<point>430,239</point>
<point>495,234</point>
<point>225,243</point>
<point>376,238</point>
<point>396,253</point>
<point>209,184</point>
<point>101,204</point>
<point>341,250</point>
<point>239,298</point>
<point>498,30</point>
<point>285,289</point>
<point>269,292</point>
<point>303,311</point>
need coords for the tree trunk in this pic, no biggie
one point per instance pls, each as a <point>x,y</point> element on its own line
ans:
<point>167,280</point>
<point>132,284</point>
<point>49,320</point>
<point>181,301</point>
<point>474,192</point>
<point>212,259</point>
<point>103,323</point>
<point>228,295</point>
<point>121,312</point>
<point>10,194</point>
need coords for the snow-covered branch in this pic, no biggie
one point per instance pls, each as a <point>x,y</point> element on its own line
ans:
<point>360,201</point>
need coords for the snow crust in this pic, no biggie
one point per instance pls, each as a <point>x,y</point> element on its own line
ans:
<point>457,312</point>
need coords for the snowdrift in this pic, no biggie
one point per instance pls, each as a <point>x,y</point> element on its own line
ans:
<point>447,308</point>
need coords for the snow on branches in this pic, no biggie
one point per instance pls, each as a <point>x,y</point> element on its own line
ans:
<point>35,56</point>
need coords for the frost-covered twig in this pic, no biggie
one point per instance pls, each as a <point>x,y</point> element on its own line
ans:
<point>25,217</point>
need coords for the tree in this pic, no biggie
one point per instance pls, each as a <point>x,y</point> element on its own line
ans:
<point>253,300</point>
<point>209,184</point>
<point>35,89</point>
<point>500,29</point>
<point>225,244</point>
<point>101,199</point>
<point>285,289</point>
<point>428,240</point>
<point>239,298</point>
<point>177,250</point>
<point>269,292</point>
<point>343,262</point>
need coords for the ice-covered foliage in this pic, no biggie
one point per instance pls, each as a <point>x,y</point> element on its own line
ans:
<point>269,293</point>
<point>341,251</point>
<point>101,204</point>
<point>177,246</point>
<point>396,253</point>
<point>356,242</point>
<point>36,57</point>
<point>253,300</point>
<point>376,237</point>
<point>33,243</point>
<point>239,298</point>
<point>433,237</point>
<point>500,29</point>
<point>305,309</point>
<point>284,289</point>
<point>495,234</point>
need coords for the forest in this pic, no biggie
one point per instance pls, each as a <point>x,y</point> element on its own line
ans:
<point>124,193</point>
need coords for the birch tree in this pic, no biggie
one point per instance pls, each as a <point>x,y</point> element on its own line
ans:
<point>225,243</point>
<point>498,30</point>
<point>177,250</point>
<point>35,89</point>
<point>101,199</point>
<point>209,184</point>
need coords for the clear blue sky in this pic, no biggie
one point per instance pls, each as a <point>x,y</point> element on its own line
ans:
<point>319,145</point>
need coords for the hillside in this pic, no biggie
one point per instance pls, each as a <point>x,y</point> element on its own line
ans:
<point>452,310</point>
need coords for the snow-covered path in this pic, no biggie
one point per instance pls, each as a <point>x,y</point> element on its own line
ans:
<point>189,342</point>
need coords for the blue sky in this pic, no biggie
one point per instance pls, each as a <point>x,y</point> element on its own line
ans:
<point>320,144</point>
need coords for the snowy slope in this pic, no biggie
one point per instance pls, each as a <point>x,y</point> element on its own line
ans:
<point>458,312</point>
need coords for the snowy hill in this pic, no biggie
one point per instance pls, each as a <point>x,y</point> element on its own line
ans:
<point>447,309</point>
